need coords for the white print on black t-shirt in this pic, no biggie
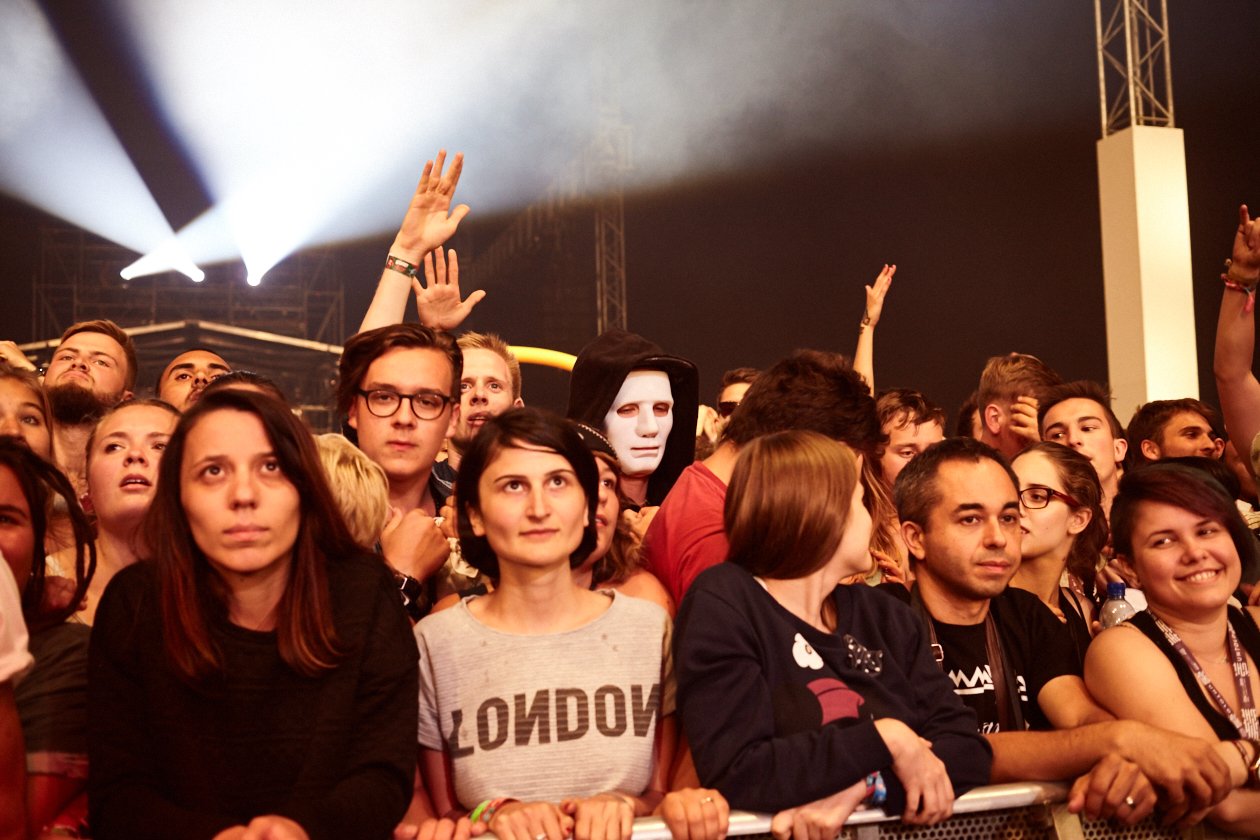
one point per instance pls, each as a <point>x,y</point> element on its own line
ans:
<point>565,714</point>
<point>981,681</point>
<point>805,655</point>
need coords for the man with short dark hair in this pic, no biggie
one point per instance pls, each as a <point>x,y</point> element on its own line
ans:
<point>1010,658</point>
<point>912,423</point>
<point>186,376</point>
<point>810,390</point>
<point>398,390</point>
<point>1173,429</point>
<point>1078,415</point>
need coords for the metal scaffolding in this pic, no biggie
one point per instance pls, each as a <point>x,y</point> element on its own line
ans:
<point>1134,67</point>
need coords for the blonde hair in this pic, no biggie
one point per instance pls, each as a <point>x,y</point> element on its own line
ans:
<point>359,485</point>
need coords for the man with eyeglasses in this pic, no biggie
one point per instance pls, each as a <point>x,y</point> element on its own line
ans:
<point>1013,662</point>
<point>398,388</point>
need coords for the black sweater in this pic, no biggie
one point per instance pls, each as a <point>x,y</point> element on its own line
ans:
<point>779,714</point>
<point>335,753</point>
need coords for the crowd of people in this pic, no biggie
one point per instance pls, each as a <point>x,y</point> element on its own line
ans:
<point>468,615</point>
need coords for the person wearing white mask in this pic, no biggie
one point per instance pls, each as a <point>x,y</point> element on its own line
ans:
<point>645,401</point>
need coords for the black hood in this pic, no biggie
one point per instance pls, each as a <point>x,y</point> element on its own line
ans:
<point>598,374</point>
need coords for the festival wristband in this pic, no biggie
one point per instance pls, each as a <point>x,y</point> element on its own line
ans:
<point>401,266</point>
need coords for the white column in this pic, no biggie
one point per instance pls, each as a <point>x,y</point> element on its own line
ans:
<point>1151,352</point>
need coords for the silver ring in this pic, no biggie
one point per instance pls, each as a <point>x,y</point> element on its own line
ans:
<point>706,799</point>
<point>542,836</point>
<point>1128,800</point>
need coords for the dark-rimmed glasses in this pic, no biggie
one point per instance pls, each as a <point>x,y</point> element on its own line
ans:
<point>426,405</point>
<point>1037,497</point>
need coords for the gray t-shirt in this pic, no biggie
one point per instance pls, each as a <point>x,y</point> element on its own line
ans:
<point>544,718</point>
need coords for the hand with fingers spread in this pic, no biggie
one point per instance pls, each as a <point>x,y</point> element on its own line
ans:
<point>929,792</point>
<point>1114,789</point>
<point>430,221</point>
<point>695,814</point>
<point>819,820</point>
<point>438,299</point>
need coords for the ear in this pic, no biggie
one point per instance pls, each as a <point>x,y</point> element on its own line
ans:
<point>1122,448</point>
<point>1218,451</point>
<point>126,395</point>
<point>1078,520</point>
<point>352,416</point>
<point>913,535</point>
<point>474,520</point>
<point>993,418</point>
<point>518,403</point>
<point>1150,450</point>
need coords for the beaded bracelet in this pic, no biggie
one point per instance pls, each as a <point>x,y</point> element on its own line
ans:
<point>401,266</point>
<point>1239,286</point>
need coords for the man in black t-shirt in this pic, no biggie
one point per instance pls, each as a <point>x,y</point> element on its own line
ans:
<point>960,516</point>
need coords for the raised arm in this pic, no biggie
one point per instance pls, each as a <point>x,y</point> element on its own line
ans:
<point>430,222</point>
<point>1236,385</point>
<point>864,355</point>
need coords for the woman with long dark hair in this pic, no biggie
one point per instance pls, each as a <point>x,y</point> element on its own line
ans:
<point>52,699</point>
<point>1065,529</point>
<point>257,674</point>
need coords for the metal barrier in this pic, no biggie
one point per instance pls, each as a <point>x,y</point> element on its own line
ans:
<point>1013,812</point>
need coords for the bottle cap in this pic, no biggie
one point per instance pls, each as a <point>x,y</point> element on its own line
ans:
<point>1115,589</point>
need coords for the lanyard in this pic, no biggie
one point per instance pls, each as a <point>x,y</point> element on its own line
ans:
<point>1247,726</point>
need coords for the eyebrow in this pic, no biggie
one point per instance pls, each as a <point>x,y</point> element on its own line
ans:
<point>14,509</point>
<point>190,366</point>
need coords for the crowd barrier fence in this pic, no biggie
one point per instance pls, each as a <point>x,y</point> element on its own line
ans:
<point>1021,811</point>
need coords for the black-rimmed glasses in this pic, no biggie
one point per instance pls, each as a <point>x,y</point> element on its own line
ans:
<point>1037,497</point>
<point>727,407</point>
<point>426,405</point>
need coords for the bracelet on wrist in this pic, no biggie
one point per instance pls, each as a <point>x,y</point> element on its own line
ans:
<point>402,266</point>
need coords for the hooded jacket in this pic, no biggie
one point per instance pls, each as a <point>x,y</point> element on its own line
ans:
<point>597,376</point>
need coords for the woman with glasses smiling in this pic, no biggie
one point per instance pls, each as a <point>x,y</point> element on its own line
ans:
<point>1060,503</point>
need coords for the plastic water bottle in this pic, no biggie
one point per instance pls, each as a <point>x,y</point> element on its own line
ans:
<point>1115,609</point>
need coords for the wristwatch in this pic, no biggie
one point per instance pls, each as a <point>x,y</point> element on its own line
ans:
<point>413,595</point>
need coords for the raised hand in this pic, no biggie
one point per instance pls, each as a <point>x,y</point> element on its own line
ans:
<point>430,221</point>
<point>1244,265</point>
<point>438,300</point>
<point>875,294</point>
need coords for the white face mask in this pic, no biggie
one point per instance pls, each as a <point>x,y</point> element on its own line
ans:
<point>639,421</point>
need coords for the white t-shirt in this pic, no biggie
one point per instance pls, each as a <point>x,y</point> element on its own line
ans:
<point>15,659</point>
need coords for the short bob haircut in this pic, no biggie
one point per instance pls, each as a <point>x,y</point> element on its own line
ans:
<point>1184,487</point>
<point>40,482</point>
<point>788,503</point>
<point>513,428</point>
<point>189,590</point>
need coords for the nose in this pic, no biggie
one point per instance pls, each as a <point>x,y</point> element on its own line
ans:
<point>478,395</point>
<point>405,415</point>
<point>538,505</point>
<point>646,425</point>
<point>10,427</point>
<point>243,490</point>
<point>1074,439</point>
<point>994,534</point>
<point>135,455</point>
